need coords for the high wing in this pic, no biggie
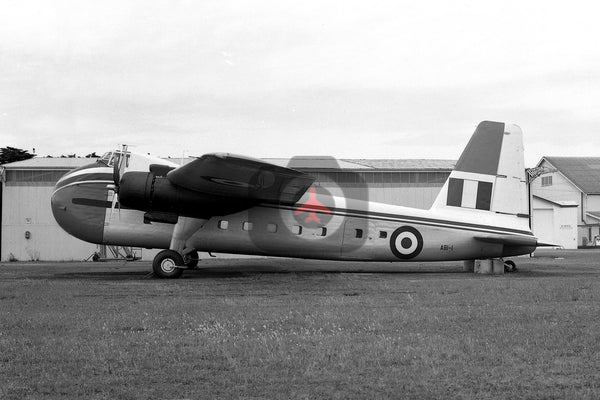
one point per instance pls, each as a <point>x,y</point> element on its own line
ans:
<point>236,176</point>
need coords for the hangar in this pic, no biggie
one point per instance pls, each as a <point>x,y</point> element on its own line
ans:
<point>28,230</point>
<point>571,183</point>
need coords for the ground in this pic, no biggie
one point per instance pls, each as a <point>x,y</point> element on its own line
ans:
<point>279,328</point>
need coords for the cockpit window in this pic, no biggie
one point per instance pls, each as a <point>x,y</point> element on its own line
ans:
<point>108,159</point>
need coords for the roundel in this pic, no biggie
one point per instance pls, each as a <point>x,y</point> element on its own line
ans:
<point>406,242</point>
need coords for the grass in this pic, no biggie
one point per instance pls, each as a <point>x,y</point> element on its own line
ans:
<point>252,329</point>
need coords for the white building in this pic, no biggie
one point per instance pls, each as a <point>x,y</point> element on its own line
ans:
<point>573,183</point>
<point>555,222</point>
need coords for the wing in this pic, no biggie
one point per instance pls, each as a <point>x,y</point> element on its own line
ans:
<point>238,177</point>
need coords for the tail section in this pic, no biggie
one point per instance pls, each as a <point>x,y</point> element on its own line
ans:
<point>490,174</point>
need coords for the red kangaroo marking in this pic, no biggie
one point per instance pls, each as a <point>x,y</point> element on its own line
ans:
<point>311,206</point>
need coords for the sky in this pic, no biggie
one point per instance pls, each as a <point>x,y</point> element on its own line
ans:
<point>349,79</point>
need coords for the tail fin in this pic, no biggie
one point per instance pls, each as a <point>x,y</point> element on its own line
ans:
<point>490,173</point>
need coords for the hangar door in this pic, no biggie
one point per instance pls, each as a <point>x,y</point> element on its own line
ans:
<point>543,225</point>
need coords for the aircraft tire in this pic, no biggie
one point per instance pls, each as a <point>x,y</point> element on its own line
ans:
<point>510,266</point>
<point>191,259</point>
<point>165,264</point>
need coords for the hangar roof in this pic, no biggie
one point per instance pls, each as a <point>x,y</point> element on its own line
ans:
<point>583,172</point>
<point>49,163</point>
<point>303,162</point>
<point>315,162</point>
<point>362,164</point>
<point>409,164</point>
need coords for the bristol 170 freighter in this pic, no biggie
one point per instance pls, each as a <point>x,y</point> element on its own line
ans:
<point>233,204</point>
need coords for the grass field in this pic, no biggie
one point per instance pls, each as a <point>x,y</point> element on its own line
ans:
<point>272,328</point>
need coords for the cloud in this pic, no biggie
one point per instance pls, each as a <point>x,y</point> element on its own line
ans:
<point>266,78</point>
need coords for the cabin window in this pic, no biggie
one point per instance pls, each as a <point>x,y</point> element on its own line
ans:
<point>247,226</point>
<point>382,234</point>
<point>359,233</point>
<point>297,230</point>
<point>272,228</point>
<point>223,224</point>
<point>322,231</point>
<point>547,180</point>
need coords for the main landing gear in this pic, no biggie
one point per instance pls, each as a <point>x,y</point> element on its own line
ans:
<point>510,266</point>
<point>169,264</point>
<point>191,259</point>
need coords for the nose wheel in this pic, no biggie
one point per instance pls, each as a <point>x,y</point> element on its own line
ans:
<point>168,264</point>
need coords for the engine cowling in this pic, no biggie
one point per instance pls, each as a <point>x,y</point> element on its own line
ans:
<point>145,191</point>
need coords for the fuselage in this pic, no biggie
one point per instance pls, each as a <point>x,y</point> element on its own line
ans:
<point>342,229</point>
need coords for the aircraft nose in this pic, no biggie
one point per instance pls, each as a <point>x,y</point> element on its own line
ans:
<point>80,210</point>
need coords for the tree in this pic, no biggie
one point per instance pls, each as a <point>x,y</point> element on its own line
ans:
<point>11,154</point>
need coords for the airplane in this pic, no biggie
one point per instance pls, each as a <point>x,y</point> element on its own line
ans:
<point>226,203</point>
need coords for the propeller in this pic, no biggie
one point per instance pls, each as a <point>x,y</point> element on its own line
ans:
<point>116,172</point>
<point>118,160</point>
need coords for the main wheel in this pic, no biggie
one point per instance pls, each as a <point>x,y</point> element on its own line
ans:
<point>167,264</point>
<point>510,266</point>
<point>190,259</point>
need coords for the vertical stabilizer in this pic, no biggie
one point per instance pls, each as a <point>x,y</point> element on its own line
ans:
<point>490,173</point>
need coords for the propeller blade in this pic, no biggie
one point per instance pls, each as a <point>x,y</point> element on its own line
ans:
<point>112,207</point>
<point>116,172</point>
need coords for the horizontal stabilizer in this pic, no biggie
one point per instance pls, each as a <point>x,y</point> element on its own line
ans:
<point>509,240</point>
<point>548,245</point>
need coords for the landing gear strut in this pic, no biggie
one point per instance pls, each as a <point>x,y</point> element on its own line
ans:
<point>168,264</point>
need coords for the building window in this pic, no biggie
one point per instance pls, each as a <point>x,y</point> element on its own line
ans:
<point>223,224</point>
<point>547,180</point>
<point>359,233</point>
<point>247,226</point>
<point>272,228</point>
<point>297,230</point>
<point>382,234</point>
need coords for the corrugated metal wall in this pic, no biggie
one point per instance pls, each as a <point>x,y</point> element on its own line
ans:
<point>27,209</point>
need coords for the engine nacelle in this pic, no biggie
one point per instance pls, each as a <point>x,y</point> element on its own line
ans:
<point>145,191</point>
